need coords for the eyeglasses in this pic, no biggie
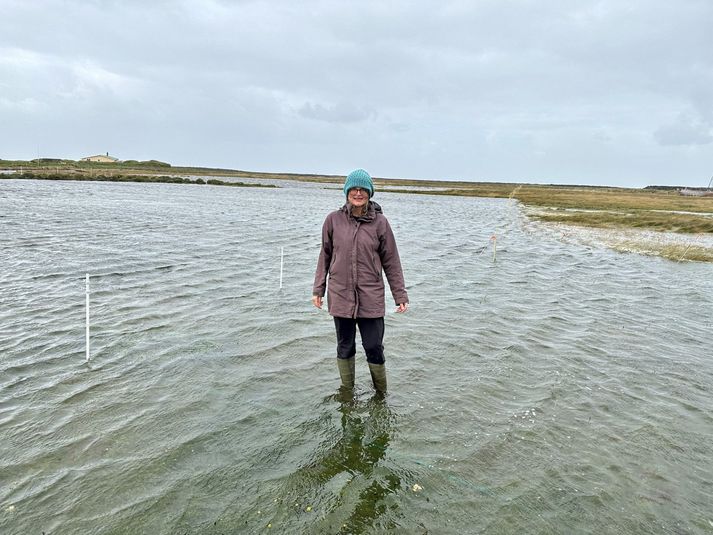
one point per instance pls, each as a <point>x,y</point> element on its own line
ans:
<point>359,190</point>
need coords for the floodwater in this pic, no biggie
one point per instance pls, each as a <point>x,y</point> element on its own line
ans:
<point>555,388</point>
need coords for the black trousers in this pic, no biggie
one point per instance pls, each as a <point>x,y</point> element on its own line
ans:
<point>372,338</point>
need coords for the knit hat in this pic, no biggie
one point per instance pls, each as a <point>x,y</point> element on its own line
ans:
<point>359,179</point>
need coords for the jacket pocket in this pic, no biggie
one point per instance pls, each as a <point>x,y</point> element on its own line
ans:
<point>376,265</point>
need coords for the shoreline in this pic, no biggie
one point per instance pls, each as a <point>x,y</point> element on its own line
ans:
<point>626,219</point>
<point>143,179</point>
<point>674,246</point>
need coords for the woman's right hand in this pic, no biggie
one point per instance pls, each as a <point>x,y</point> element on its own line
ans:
<point>317,301</point>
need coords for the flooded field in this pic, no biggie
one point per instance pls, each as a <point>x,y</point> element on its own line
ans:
<point>545,386</point>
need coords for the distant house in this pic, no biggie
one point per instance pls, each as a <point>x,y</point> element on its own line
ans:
<point>102,158</point>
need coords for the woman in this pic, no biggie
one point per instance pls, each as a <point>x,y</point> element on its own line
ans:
<point>357,243</point>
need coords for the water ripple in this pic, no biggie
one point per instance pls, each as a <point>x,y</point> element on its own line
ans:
<point>551,387</point>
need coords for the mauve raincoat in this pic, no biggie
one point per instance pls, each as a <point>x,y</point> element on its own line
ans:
<point>354,251</point>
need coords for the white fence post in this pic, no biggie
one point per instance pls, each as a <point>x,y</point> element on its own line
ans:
<point>282,263</point>
<point>87,336</point>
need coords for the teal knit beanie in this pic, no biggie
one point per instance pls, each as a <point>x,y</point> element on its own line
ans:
<point>359,179</point>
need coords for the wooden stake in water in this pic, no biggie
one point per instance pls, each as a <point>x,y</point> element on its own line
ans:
<point>495,245</point>
<point>282,263</point>
<point>87,292</point>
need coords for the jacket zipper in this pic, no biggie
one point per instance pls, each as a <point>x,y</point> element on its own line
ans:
<point>354,270</point>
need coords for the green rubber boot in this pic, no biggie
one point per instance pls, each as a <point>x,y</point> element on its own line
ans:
<point>346,372</point>
<point>378,376</point>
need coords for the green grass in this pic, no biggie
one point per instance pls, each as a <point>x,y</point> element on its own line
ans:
<point>677,253</point>
<point>691,254</point>
<point>628,200</point>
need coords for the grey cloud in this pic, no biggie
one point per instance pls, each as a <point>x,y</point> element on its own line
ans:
<point>342,112</point>
<point>489,89</point>
<point>685,131</point>
<point>399,127</point>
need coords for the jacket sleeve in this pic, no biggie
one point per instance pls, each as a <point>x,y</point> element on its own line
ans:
<point>324,260</point>
<point>391,263</point>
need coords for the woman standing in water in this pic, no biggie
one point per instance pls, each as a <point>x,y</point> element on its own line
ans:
<point>357,243</point>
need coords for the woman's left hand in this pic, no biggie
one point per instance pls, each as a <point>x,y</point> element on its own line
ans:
<point>403,307</point>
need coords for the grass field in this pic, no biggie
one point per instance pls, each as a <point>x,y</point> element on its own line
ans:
<point>668,221</point>
<point>663,210</point>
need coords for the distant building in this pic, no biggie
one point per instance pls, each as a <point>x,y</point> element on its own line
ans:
<point>102,158</point>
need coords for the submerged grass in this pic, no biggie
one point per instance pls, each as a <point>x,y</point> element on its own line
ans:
<point>678,252</point>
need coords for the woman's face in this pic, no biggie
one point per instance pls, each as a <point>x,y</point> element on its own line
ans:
<point>358,197</point>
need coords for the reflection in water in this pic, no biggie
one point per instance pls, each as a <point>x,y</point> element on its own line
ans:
<point>354,467</point>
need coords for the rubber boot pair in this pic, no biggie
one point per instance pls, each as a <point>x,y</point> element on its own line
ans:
<point>346,373</point>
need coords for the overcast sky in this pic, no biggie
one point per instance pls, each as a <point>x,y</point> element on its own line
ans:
<point>615,92</point>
